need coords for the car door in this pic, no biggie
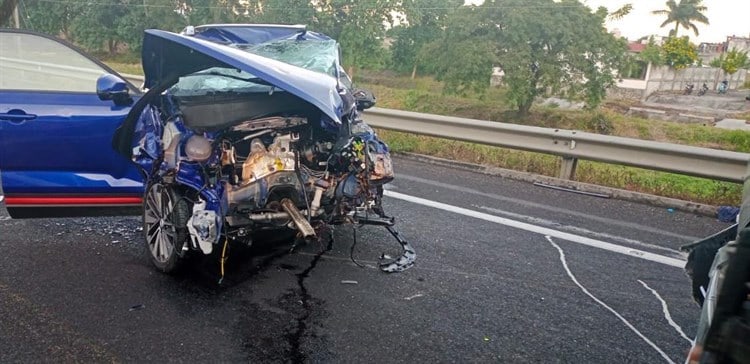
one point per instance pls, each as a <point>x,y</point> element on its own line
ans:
<point>56,155</point>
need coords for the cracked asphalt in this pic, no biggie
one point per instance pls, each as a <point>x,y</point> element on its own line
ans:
<point>83,290</point>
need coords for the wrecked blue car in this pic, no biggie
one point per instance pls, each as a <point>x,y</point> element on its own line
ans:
<point>242,130</point>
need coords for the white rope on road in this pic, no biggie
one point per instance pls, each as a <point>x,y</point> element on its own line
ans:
<point>665,309</point>
<point>610,309</point>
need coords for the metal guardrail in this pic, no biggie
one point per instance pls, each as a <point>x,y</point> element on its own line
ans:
<point>134,79</point>
<point>52,68</point>
<point>568,144</point>
<point>571,145</point>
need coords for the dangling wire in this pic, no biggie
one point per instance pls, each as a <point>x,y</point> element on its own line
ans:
<point>223,258</point>
<point>297,165</point>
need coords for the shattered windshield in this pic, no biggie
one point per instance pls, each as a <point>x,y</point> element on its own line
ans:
<point>218,80</point>
<point>315,55</point>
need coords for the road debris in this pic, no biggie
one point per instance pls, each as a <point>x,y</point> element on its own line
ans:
<point>413,297</point>
<point>137,307</point>
<point>565,189</point>
<point>349,282</point>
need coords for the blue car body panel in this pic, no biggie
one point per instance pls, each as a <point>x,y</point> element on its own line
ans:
<point>65,149</point>
<point>56,157</point>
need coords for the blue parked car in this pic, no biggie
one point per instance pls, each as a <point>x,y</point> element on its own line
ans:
<point>240,129</point>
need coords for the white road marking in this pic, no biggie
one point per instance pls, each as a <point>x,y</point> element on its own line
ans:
<point>610,309</point>
<point>540,206</point>
<point>665,309</point>
<point>577,230</point>
<point>678,263</point>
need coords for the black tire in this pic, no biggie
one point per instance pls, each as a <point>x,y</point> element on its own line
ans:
<point>165,216</point>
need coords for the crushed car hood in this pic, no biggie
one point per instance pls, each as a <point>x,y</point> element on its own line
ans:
<point>167,56</point>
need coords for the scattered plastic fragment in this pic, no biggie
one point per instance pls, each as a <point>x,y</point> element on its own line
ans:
<point>349,282</point>
<point>413,297</point>
<point>670,210</point>
<point>486,339</point>
<point>137,307</point>
<point>115,241</point>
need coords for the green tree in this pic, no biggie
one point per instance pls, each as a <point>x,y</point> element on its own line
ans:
<point>286,12</point>
<point>424,22</point>
<point>652,53</point>
<point>535,45</point>
<point>679,53</point>
<point>52,18</point>
<point>685,13</point>
<point>158,14</point>
<point>732,61</point>
<point>360,27</point>
<point>95,27</point>
<point>464,54</point>
<point>98,26</point>
<point>200,12</point>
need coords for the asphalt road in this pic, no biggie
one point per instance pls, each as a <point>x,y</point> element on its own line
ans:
<point>482,291</point>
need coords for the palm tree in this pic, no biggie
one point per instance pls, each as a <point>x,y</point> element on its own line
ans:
<point>685,13</point>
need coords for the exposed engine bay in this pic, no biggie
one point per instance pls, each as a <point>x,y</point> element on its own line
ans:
<point>285,170</point>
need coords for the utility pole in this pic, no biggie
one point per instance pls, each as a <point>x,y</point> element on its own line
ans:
<point>15,17</point>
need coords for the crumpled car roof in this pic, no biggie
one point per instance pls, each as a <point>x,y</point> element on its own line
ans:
<point>255,33</point>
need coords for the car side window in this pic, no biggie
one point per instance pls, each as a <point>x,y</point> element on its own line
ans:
<point>35,63</point>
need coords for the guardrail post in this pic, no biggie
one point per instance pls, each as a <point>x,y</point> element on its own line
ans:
<point>568,167</point>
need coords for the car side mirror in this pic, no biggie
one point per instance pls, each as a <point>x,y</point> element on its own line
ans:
<point>365,99</point>
<point>111,87</point>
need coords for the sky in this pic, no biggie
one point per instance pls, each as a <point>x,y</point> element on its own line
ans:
<point>726,17</point>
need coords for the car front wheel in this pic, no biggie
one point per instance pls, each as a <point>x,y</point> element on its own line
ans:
<point>165,219</point>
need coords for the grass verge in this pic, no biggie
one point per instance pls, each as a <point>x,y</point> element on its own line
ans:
<point>129,68</point>
<point>634,179</point>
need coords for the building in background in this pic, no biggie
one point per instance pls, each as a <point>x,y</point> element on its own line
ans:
<point>707,52</point>
<point>742,44</point>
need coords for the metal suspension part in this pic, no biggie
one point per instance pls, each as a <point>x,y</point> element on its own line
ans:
<point>304,227</point>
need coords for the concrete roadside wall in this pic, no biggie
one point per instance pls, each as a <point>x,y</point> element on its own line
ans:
<point>624,93</point>
<point>664,78</point>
